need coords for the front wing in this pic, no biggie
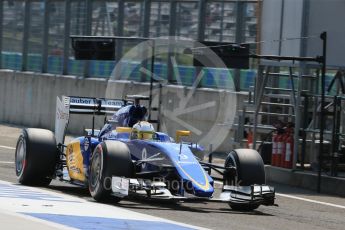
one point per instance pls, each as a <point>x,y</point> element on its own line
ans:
<point>254,194</point>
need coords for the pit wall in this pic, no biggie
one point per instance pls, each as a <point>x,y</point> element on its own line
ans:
<point>29,99</point>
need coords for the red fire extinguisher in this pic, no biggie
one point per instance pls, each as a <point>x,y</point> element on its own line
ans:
<point>289,151</point>
<point>274,149</point>
<point>283,156</point>
<point>250,140</point>
<point>280,147</point>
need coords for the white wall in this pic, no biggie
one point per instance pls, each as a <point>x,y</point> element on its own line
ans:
<point>292,27</point>
<point>29,99</point>
<point>270,26</point>
<point>277,13</point>
<point>321,15</point>
<point>328,16</point>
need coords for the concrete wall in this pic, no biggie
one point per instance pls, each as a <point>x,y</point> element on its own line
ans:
<point>292,27</point>
<point>298,18</point>
<point>270,26</point>
<point>29,99</point>
<point>308,180</point>
<point>281,19</point>
<point>327,16</point>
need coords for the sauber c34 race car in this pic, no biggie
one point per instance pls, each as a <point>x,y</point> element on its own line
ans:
<point>113,164</point>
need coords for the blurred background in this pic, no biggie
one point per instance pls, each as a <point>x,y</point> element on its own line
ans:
<point>35,34</point>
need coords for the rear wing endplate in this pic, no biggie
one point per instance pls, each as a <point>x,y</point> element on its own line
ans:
<point>82,105</point>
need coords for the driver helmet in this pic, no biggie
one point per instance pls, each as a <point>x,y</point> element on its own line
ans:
<point>142,130</point>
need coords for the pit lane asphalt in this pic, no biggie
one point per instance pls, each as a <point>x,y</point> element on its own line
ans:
<point>292,213</point>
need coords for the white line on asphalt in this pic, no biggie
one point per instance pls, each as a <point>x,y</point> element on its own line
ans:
<point>303,199</point>
<point>7,147</point>
<point>6,162</point>
<point>311,201</point>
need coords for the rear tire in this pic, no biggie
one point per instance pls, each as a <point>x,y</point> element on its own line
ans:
<point>36,157</point>
<point>250,170</point>
<point>110,158</point>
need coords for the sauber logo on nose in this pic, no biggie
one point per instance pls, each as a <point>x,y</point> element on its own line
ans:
<point>81,101</point>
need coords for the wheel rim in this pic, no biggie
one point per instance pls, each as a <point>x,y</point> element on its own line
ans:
<point>229,162</point>
<point>96,168</point>
<point>20,157</point>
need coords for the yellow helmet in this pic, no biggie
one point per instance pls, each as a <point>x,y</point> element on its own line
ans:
<point>142,130</point>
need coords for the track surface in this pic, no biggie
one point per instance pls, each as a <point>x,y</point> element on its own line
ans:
<point>298,208</point>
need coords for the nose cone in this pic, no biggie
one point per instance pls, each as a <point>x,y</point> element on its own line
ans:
<point>197,178</point>
<point>188,168</point>
<point>203,191</point>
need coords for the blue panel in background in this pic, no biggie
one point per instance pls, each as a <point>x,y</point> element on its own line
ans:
<point>101,223</point>
<point>130,70</point>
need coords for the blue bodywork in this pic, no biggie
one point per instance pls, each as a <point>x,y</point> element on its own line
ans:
<point>163,154</point>
<point>185,163</point>
<point>172,155</point>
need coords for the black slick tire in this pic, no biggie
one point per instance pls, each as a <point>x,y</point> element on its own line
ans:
<point>250,170</point>
<point>110,158</point>
<point>36,156</point>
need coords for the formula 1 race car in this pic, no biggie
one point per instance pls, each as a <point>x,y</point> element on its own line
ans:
<point>118,162</point>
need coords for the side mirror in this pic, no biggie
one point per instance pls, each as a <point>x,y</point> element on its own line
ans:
<point>182,133</point>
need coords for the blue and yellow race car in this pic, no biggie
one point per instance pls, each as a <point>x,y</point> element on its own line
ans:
<point>117,162</point>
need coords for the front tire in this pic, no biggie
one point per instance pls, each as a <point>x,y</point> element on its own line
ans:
<point>250,170</point>
<point>110,158</point>
<point>36,156</point>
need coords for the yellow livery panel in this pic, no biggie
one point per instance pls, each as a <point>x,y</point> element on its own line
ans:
<point>74,160</point>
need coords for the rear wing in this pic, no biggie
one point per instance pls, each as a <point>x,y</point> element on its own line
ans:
<point>83,105</point>
<point>94,106</point>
